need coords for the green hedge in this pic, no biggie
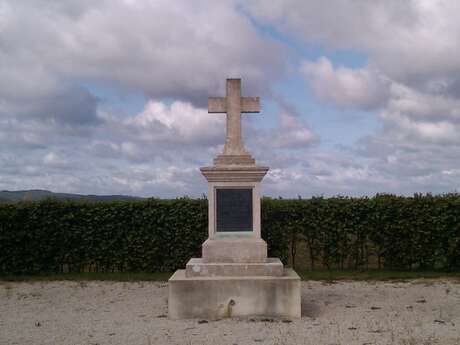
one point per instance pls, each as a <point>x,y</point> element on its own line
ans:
<point>53,236</point>
<point>420,232</point>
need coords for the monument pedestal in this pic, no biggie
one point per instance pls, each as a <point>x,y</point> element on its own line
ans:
<point>235,249</point>
<point>234,277</point>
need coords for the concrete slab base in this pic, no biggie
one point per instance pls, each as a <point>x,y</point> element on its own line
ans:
<point>235,249</point>
<point>196,267</point>
<point>219,297</point>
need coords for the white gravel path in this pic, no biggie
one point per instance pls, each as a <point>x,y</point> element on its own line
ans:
<point>346,313</point>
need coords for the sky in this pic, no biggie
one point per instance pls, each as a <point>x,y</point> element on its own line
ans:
<point>110,96</point>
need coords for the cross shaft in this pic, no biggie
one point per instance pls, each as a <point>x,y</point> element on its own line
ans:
<point>233,104</point>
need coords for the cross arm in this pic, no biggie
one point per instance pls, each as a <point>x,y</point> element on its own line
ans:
<point>250,104</point>
<point>217,105</point>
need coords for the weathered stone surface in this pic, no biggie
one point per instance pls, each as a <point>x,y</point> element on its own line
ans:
<point>196,267</point>
<point>219,297</point>
<point>233,104</point>
<point>234,160</point>
<point>235,173</point>
<point>235,249</point>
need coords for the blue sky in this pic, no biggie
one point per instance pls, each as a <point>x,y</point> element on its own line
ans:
<point>358,98</point>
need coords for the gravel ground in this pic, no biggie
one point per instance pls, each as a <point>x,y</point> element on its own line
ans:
<point>411,313</point>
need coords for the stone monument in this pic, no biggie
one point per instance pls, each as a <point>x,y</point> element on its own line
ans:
<point>234,277</point>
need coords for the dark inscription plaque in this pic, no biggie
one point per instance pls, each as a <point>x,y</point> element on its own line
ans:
<point>234,209</point>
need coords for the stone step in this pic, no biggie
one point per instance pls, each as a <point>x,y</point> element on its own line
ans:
<point>197,268</point>
<point>219,297</point>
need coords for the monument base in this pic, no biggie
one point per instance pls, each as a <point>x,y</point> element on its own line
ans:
<point>219,297</point>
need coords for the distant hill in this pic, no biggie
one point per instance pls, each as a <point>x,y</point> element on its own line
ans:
<point>38,194</point>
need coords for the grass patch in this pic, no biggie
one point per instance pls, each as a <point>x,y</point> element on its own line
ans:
<point>374,274</point>
<point>320,274</point>
<point>119,276</point>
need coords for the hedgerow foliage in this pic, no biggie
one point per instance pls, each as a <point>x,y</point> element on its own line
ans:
<point>54,236</point>
<point>419,232</point>
<point>161,235</point>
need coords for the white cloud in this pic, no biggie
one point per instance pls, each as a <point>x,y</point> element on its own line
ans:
<point>408,40</point>
<point>54,134</point>
<point>169,180</point>
<point>180,121</point>
<point>411,79</point>
<point>291,132</point>
<point>173,133</point>
<point>180,50</point>
<point>362,88</point>
<point>416,117</point>
<point>52,160</point>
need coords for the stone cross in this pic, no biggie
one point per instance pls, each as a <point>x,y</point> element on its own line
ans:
<point>233,104</point>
